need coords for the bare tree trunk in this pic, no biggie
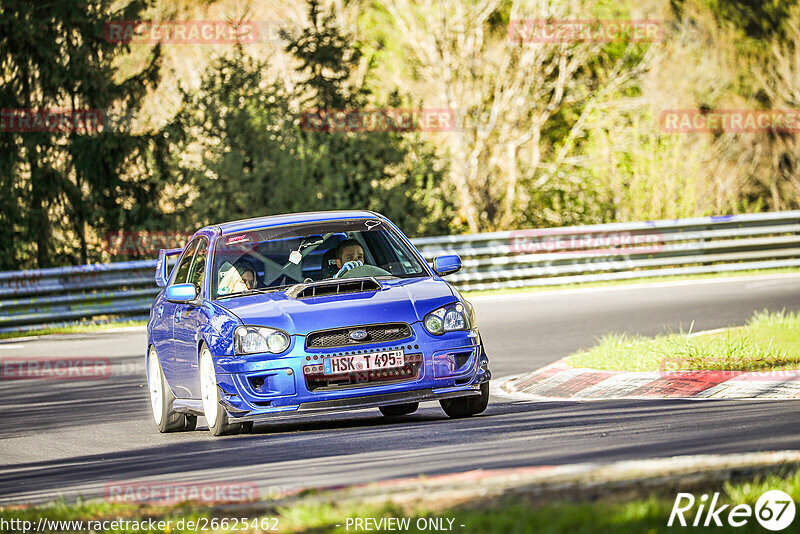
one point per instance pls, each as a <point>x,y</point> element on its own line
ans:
<point>515,87</point>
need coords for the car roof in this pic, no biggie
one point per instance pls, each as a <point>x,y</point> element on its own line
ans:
<point>290,218</point>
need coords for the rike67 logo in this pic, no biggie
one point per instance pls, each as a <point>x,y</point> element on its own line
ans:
<point>774,510</point>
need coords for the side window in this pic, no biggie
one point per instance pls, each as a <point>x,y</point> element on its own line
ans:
<point>182,269</point>
<point>199,266</point>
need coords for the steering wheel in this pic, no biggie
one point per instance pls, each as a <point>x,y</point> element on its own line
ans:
<point>365,270</point>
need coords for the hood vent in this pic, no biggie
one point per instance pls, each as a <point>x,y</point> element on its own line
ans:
<point>333,287</point>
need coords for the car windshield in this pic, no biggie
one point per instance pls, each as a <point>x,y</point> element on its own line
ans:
<point>278,257</point>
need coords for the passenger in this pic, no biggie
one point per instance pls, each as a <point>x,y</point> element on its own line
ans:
<point>241,277</point>
<point>248,277</point>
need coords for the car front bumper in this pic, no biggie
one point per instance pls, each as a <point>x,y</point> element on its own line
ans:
<point>452,365</point>
<point>369,401</point>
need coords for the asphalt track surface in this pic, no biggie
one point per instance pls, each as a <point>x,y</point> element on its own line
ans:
<point>70,437</point>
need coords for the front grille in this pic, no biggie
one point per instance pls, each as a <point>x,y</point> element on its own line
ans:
<point>340,337</point>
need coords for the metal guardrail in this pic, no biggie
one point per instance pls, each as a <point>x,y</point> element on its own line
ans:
<point>34,299</point>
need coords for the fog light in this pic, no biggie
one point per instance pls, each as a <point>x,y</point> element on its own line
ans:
<point>434,324</point>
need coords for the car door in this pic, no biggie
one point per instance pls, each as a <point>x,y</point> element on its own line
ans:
<point>162,329</point>
<point>189,319</point>
<point>166,311</point>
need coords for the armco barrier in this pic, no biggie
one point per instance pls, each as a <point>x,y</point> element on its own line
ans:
<point>34,299</point>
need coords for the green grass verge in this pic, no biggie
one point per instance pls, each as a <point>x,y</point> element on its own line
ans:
<point>512,514</point>
<point>72,329</point>
<point>768,342</point>
<point>611,283</point>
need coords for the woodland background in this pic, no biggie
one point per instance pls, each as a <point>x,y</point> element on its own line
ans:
<point>548,134</point>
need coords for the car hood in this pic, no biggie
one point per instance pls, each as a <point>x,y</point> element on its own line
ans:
<point>400,300</point>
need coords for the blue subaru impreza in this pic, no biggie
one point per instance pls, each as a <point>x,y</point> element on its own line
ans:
<point>307,313</point>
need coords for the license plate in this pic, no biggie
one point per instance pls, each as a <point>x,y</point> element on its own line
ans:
<point>354,363</point>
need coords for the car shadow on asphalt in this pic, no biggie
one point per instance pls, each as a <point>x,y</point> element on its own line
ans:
<point>508,434</point>
<point>36,406</point>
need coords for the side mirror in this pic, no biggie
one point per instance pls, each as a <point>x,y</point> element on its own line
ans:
<point>444,265</point>
<point>181,293</point>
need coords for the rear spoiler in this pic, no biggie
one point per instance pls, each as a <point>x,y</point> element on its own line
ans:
<point>162,271</point>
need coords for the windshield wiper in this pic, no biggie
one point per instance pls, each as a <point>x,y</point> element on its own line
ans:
<point>253,291</point>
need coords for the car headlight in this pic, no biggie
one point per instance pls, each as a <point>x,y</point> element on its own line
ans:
<point>447,319</point>
<point>251,339</point>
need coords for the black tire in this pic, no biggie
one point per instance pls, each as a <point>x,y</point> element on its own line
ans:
<point>168,420</point>
<point>399,409</point>
<point>218,421</point>
<point>467,406</point>
<point>230,429</point>
<point>222,425</point>
<point>191,422</point>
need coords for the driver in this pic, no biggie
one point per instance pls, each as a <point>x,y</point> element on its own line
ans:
<point>349,255</point>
